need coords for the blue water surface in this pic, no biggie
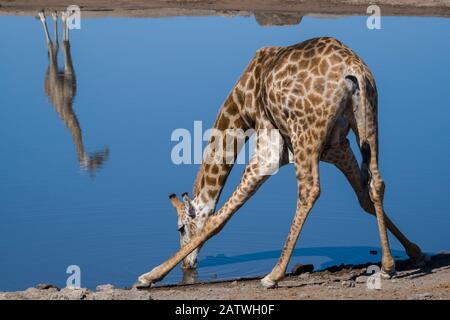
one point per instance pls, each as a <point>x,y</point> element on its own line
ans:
<point>140,79</point>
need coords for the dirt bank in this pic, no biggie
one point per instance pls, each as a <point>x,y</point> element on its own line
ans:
<point>339,282</point>
<point>267,12</point>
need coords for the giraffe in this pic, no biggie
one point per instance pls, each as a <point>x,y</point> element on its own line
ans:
<point>311,94</point>
<point>60,87</point>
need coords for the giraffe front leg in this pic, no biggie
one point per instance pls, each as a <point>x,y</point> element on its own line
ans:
<point>307,171</point>
<point>44,24</point>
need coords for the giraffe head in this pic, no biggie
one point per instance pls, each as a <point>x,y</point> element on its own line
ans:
<point>190,222</point>
<point>186,226</point>
<point>93,161</point>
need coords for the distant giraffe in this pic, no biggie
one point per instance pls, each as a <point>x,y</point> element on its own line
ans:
<point>60,87</point>
<point>311,94</point>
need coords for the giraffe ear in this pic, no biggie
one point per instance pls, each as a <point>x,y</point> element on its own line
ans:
<point>185,196</point>
<point>191,209</point>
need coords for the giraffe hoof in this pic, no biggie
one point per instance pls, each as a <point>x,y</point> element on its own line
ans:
<point>148,279</point>
<point>268,283</point>
<point>142,285</point>
<point>387,274</point>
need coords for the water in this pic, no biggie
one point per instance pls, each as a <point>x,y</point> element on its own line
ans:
<point>137,80</point>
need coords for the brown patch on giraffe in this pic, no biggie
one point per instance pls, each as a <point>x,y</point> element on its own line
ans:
<point>302,75</point>
<point>315,99</point>
<point>222,178</point>
<point>299,104</point>
<point>214,169</point>
<point>251,83</point>
<point>334,76</point>
<point>299,114</point>
<point>335,59</point>
<point>321,123</point>
<point>275,112</point>
<point>335,47</point>
<point>233,110</point>
<point>307,83</point>
<point>297,90</point>
<point>287,82</point>
<point>223,123</point>
<point>319,112</point>
<point>257,72</point>
<point>319,85</point>
<point>328,51</point>
<point>309,53</point>
<point>292,69</point>
<point>211,181</point>
<point>244,77</point>
<point>304,64</point>
<point>311,118</point>
<point>213,193</point>
<point>315,61</point>
<point>307,106</point>
<point>239,123</point>
<point>296,55</point>
<point>281,74</point>
<point>323,67</point>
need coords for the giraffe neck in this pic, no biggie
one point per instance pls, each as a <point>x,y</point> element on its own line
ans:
<point>213,174</point>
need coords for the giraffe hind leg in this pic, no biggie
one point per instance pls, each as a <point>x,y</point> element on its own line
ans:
<point>55,29</point>
<point>342,156</point>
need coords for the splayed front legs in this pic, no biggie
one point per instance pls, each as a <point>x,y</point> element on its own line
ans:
<point>256,172</point>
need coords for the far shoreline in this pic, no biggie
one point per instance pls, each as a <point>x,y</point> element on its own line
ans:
<point>266,12</point>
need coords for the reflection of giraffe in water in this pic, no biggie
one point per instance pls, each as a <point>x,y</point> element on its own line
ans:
<point>60,87</point>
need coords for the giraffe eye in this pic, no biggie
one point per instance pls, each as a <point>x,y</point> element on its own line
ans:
<point>182,229</point>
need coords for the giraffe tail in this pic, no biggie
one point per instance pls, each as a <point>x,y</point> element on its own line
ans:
<point>364,101</point>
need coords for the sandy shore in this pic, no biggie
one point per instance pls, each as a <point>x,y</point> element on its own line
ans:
<point>266,12</point>
<point>339,282</point>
